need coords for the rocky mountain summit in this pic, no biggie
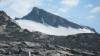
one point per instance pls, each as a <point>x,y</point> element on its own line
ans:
<point>15,41</point>
<point>43,21</point>
<point>47,18</point>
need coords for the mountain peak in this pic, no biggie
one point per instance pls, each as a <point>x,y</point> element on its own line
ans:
<point>46,22</point>
<point>44,17</point>
<point>36,8</point>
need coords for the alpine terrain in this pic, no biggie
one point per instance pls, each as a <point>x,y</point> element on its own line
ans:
<point>41,33</point>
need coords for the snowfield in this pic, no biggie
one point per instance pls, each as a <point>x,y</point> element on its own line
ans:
<point>47,29</point>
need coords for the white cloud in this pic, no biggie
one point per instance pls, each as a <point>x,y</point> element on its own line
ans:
<point>70,3</point>
<point>90,17</point>
<point>62,10</point>
<point>89,6</point>
<point>18,8</point>
<point>95,10</point>
<point>50,0</point>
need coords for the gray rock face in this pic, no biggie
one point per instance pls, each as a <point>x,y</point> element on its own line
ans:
<point>15,41</point>
<point>6,24</point>
<point>4,18</point>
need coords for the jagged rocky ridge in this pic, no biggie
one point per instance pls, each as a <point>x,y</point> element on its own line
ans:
<point>15,41</point>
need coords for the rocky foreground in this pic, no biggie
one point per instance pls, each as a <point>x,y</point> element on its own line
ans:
<point>44,45</point>
<point>15,41</point>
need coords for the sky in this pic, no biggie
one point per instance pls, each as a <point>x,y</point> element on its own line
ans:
<point>83,12</point>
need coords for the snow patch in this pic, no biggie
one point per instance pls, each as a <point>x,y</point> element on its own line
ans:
<point>59,31</point>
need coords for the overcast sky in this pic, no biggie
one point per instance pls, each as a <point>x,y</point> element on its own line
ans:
<point>84,12</point>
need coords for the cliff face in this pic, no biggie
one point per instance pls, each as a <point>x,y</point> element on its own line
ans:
<point>4,18</point>
<point>6,24</point>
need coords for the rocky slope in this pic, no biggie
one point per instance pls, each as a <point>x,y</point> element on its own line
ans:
<point>15,41</point>
<point>50,45</point>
